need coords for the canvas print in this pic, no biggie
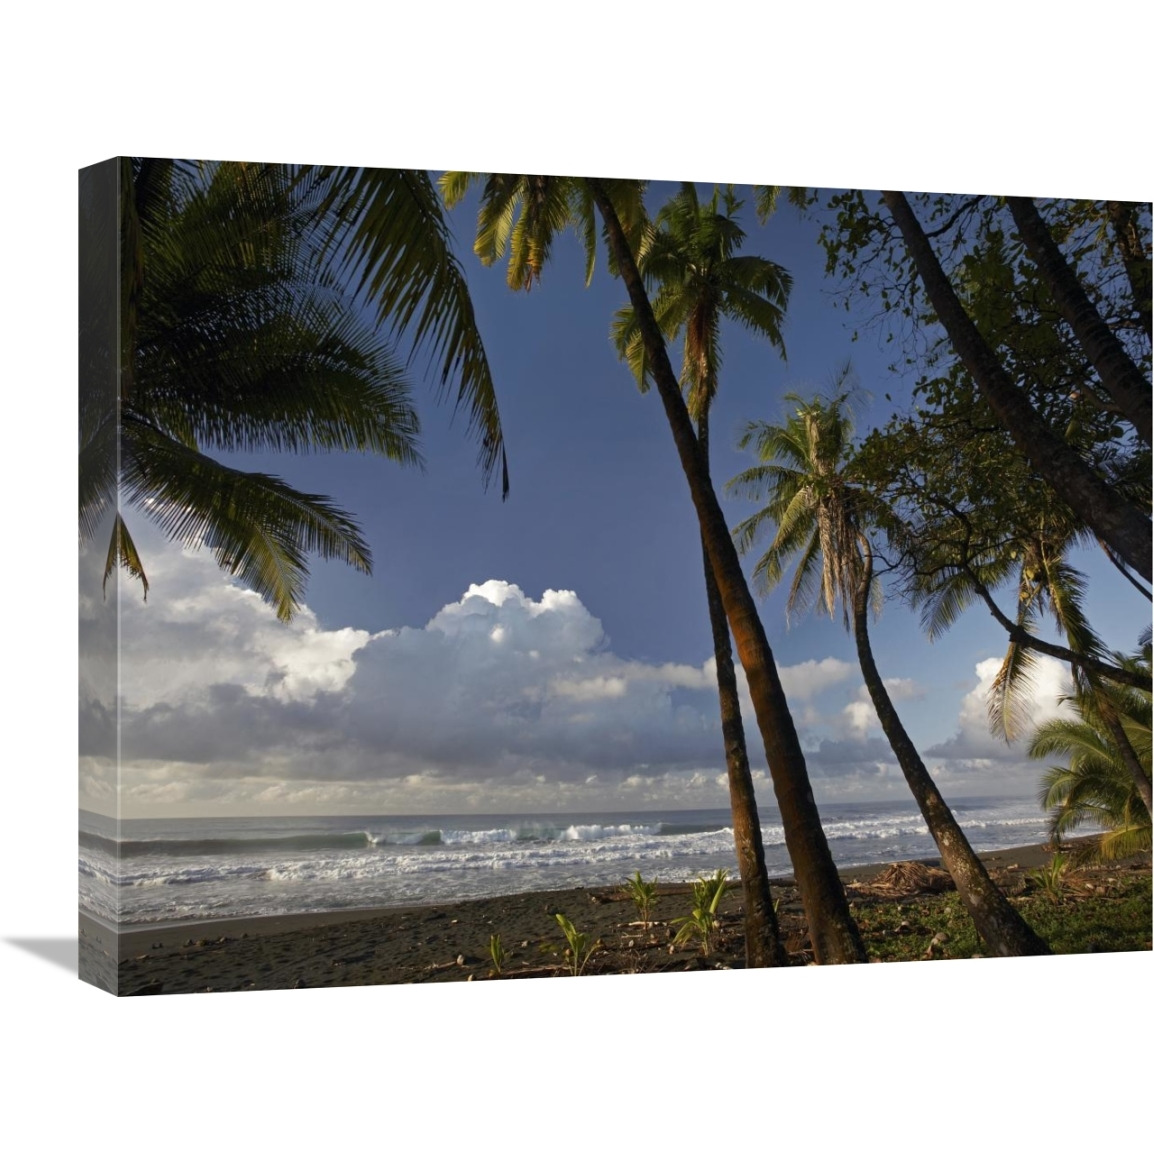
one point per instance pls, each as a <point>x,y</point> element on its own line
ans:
<point>492,576</point>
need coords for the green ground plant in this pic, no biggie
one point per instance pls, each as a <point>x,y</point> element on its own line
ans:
<point>497,953</point>
<point>643,895</point>
<point>580,949</point>
<point>1115,918</point>
<point>1050,878</point>
<point>701,922</point>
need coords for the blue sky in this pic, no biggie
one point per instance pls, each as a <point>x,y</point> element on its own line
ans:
<point>407,692</point>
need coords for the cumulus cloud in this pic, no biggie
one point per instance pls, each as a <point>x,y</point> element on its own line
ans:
<point>973,739</point>
<point>859,716</point>
<point>501,700</point>
<point>224,705</point>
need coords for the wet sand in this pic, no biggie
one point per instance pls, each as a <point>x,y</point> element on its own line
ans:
<point>445,942</point>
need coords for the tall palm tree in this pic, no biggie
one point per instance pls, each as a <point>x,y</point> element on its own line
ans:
<point>690,259</point>
<point>236,335</point>
<point>821,518</point>
<point>1097,785</point>
<point>834,934</point>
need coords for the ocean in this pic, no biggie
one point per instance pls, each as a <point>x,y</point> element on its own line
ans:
<point>165,870</point>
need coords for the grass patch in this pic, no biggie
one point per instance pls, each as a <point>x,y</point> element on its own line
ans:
<point>1110,917</point>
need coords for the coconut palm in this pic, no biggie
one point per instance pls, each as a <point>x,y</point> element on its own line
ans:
<point>821,518</point>
<point>1097,785</point>
<point>235,335</point>
<point>690,259</point>
<point>506,202</point>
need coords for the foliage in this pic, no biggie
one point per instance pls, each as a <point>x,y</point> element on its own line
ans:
<point>231,346</point>
<point>1113,915</point>
<point>1095,787</point>
<point>967,518</point>
<point>237,335</point>
<point>384,229</point>
<point>522,215</point>
<point>580,949</point>
<point>497,952</point>
<point>701,922</point>
<point>1049,877</point>
<point>811,504</point>
<point>1012,304</point>
<point>690,263</point>
<point>643,894</point>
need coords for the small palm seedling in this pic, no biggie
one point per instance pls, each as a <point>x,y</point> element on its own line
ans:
<point>1051,878</point>
<point>643,895</point>
<point>580,949</point>
<point>702,920</point>
<point>497,953</point>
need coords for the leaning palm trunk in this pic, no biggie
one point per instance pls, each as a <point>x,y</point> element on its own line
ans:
<point>1121,523</point>
<point>1128,755</point>
<point>1120,376</point>
<point>762,940</point>
<point>833,933</point>
<point>1001,927</point>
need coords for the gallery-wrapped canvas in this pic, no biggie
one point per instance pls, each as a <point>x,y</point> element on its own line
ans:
<point>482,576</point>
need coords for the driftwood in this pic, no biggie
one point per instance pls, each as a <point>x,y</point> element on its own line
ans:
<point>906,879</point>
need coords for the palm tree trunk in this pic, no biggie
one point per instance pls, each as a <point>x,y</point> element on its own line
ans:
<point>834,934</point>
<point>1001,927</point>
<point>1128,754</point>
<point>762,940</point>
<point>1119,375</point>
<point>1123,525</point>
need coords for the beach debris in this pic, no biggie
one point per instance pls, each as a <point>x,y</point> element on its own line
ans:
<point>907,878</point>
<point>460,959</point>
<point>937,943</point>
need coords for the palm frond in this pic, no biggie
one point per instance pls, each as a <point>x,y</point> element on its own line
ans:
<point>1010,696</point>
<point>944,603</point>
<point>122,552</point>
<point>257,527</point>
<point>387,230</point>
<point>765,199</point>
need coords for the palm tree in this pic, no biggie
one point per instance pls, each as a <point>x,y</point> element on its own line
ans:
<point>235,335</point>
<point>833,932</point>
<point>690,258</point>
<point>821,518</point>
<point>1097,786</point>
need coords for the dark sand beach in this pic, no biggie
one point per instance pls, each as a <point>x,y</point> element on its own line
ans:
<point>450,942</point>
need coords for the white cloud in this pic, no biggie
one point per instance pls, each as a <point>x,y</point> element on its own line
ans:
<point>501,700</point>
<point>973,740</point>
<point>859,716</point>
<point>805,681</point>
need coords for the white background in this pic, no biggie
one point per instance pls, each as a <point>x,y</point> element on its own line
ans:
<point>1002,97</point>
